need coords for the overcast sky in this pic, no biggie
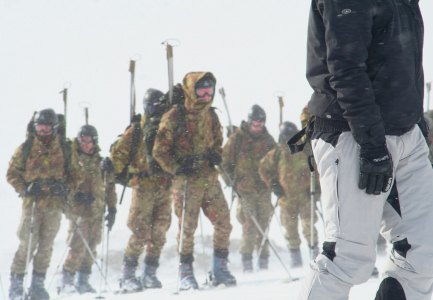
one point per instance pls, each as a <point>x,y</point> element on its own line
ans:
<point>254,48</point>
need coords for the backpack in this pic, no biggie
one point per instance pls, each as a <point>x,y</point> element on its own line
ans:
<point>124,176</point>
<point>65,144</point>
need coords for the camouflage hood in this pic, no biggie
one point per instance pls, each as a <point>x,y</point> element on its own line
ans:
<point>189,82</point>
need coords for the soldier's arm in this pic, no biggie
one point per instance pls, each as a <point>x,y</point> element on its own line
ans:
<point>267,168</point>
<point>76,173</point>
<point>228,156</point>
<point>218,137</point>
<point>111,191</point>
<point>164,142</point>
<point>15,172</point>
<point>120,151</point>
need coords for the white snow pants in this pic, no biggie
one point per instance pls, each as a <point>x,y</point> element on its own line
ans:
<point>353,220</point>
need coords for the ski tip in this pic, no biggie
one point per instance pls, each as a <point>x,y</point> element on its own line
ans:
<point>221,286</point>
<point>290,279</point>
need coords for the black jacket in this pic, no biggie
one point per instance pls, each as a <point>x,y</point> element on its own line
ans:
<point>365,66</point>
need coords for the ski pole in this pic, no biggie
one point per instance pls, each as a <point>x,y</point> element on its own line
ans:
<point>68,244</point>
<point>89,250</point>
<point>185,197</point>
<point>313,210</point>
<point>265,237</point>
<point>29,249</point>
<point>103,235</point>
<point>123,193</point>
<point>202,241</point>
<point>259,228</point>
<point>3,290</point>
<point>233,200</point>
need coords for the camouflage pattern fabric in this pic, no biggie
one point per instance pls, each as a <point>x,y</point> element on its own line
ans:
<point>44,164</point>
<point>149,219</point>
<point>79,258</point>
<point>91,225</point>
<point>197,139</point>
<point>293,175</point>
<point>47,225</point>
<point>138,168</point>
<point>211,200</point>
<point>94,183</point>
<point>242,164</point>
<point>260,206</point>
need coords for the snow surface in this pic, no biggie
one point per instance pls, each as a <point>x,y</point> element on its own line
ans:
<point>259,285</point>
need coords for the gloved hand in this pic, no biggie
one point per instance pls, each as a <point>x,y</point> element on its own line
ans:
<point>107,165</point>
<point>375,170</point>
<point>278,190</point>
<point>33,189</point>
<point>84,198</point>
<point>58,189</point>
<point>214,158</point>
<point>111,217</point>
<point>187,168</point>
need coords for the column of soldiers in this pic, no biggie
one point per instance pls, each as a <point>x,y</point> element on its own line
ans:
<point>171,154</point>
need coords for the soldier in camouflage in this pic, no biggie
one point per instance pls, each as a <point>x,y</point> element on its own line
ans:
<point>289,177</point>
<point>241,157</point>
<point>97,191</point>
<point>43,170</point>
<point>150,212</point>
<point>188,146</point>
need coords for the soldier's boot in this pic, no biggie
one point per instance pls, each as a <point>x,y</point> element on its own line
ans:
<point>221,274</point>
<point>130,283</point>
<point>16,287</point>
<point>149,279</point>
<point>263,262</point>
<point>37,290</point>
<point>295,258</point>
<point>68,286</point>
<point>83,286</point>
<point>186,273</point>
<point>247,263</point>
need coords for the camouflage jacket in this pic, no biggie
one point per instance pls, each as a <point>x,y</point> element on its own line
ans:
<point>94,184</point>
<point>305,116</point>
<point>138,168</point>
<point>291,171</point>
<point>198,137</point>
<point>45,164</point>
<point>242,155</point>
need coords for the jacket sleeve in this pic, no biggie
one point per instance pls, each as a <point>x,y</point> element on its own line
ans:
<point>111,191</point>
<point>228,156</point>
<point>76,174</point>
<point>218,137</point>
<point>266,168</point>
<point>348,34</point>
<point>15,172</point>
<point>163,143</point>
<point>120,151</point>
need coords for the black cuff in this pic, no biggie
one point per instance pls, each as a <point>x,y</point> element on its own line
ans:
<point>186,259</point>
<point>221,253</point>
<point>85,270</point>
<point>112,210</point>
<point>130,261</point>
<point>39,274</point>
<point>152,261</point>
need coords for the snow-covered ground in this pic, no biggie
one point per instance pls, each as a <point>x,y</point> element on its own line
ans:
<point>259,285</point>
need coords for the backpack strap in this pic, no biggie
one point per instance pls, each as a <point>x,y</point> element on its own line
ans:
<point>180,126</point>
<point>214,120</point>
<point>27,148</point>
<point>136,136</point>
<point>66,146</point>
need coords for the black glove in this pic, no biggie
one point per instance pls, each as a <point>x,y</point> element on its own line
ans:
<point>33,189</point>
<point>84,198</point>
<point>111,217</point>
<point>107,165</point>
<point>214,158</point>
<point>187,168</point>
<point>58,189</point>
<point>278,190</point>
<point>375,170</point>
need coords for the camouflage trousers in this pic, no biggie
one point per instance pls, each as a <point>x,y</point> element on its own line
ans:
<point>260,206</point>
<point>211,200</point>
<point>79,258</point>
<point>291,208</point>
<point>46,227</point>
<point>149,219</point>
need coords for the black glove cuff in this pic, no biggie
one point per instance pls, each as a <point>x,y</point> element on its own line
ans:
<point>112,210</point>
